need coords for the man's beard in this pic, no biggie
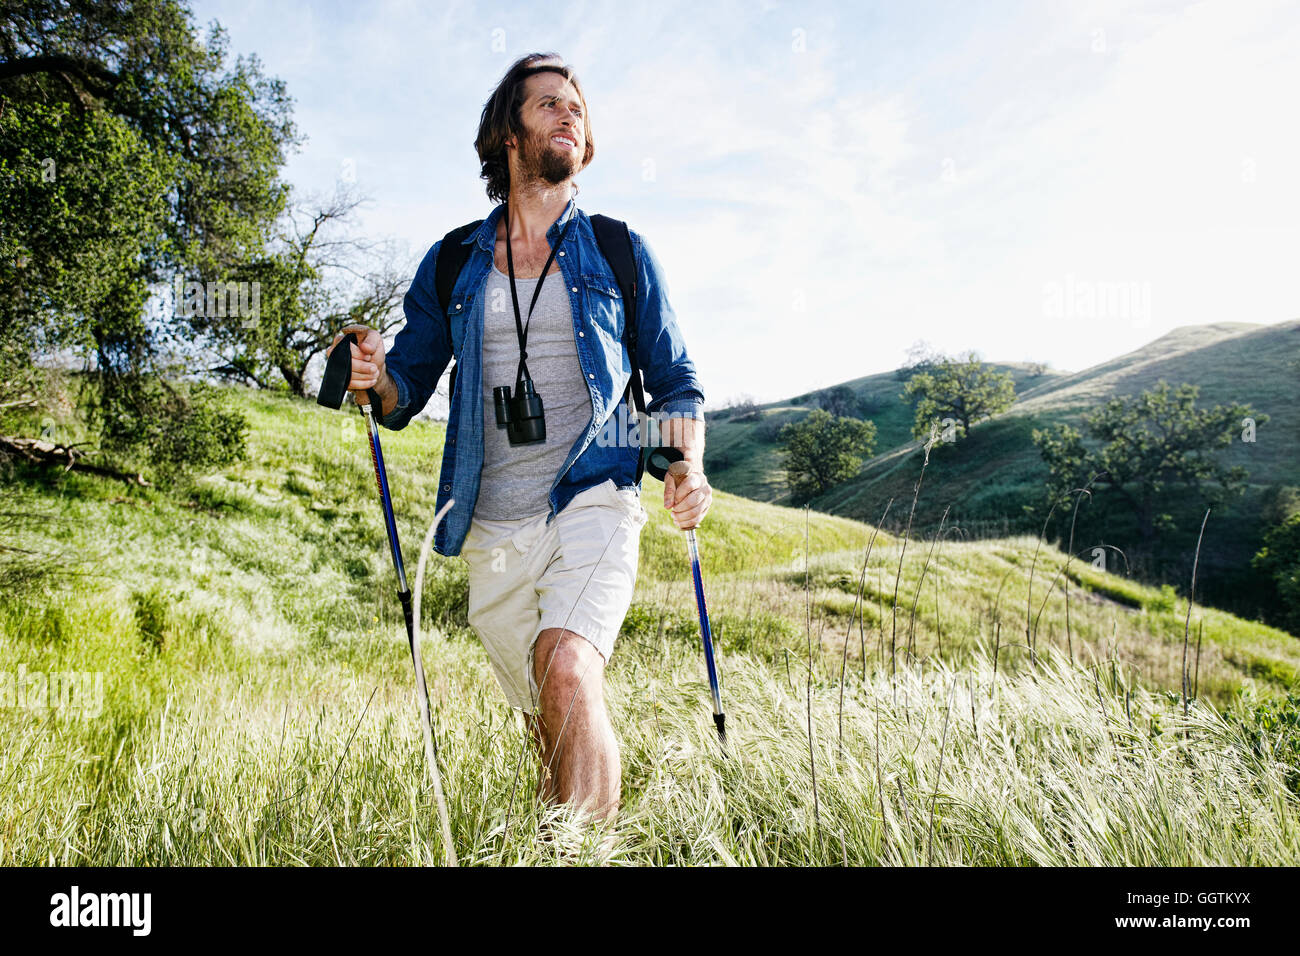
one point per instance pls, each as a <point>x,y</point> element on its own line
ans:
<point>540,161</point>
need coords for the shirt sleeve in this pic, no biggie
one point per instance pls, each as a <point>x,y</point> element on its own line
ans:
<point>422,349</point>
<point>660,348</point>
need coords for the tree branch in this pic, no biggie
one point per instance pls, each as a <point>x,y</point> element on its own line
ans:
<point>90,72</point>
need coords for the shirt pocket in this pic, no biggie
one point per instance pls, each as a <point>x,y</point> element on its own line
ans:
<point>603,320</point>
<point>458,315</point>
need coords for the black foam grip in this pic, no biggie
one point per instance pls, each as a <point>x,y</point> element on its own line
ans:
<point>338,372</point>
<point>658,460</point>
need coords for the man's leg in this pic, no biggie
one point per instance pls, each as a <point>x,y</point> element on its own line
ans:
<point>580,762</point>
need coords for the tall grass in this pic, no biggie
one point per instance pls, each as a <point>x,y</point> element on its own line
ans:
<point>288,764</point>
<point>259,706</point>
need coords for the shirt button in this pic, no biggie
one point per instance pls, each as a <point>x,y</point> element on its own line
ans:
<point>574,289</point>
<point>582,335</point>
<point>457,306</point>
<point>561,253</point>
<point>446,487</point>
<point>591,375</point>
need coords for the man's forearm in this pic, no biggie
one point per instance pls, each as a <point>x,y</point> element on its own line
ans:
<point>687,435</point>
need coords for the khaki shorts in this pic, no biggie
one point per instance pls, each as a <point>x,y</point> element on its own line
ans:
<point>578,573</point>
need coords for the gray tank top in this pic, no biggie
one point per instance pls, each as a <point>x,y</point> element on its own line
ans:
<point>516,479</point>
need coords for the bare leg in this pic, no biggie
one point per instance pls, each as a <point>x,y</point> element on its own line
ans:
<point>577,741</point>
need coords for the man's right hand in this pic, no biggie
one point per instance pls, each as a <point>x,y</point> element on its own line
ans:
<point>368,367</point>
<point>367,358</point>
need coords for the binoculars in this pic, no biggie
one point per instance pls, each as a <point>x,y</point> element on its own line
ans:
<point>521,416</point>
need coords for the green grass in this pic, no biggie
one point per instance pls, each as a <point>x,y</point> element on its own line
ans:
<point>257,694</point>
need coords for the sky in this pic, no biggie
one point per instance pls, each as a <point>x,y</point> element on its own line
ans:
<point>826,184</point>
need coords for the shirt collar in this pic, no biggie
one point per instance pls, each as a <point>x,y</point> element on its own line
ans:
<point>485,234</point>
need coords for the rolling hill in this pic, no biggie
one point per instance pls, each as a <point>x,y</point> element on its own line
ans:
<point>742,455</point>
<point>991,478</point>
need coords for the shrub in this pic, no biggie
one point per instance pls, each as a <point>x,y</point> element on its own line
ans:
<point>1272,730</point>
<point>1278,561</point>
<point>152,616</point>
<point>175,430</point>
<point>1164,602</point>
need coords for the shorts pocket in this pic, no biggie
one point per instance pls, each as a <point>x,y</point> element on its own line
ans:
<point>484,543</point>
<point>602,532</point>
<point>629,499</point>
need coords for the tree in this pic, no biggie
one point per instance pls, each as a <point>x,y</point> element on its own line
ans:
<point>962,389</point>
<point>743,409</point>
<point>128,153</point>
<point>841,401</point>
<point>920,357</point>
<point>314,280</point>
<point>821,451</point>
<point>1148,443</point>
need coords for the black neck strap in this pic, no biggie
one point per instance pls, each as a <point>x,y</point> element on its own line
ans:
<point>521,327</point>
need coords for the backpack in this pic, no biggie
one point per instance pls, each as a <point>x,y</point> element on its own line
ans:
<point>615,243</point>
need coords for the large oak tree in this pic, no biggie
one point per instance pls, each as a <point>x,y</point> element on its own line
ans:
<point>1145,446</point>
<point>822,450</point>
<point>130,151</point>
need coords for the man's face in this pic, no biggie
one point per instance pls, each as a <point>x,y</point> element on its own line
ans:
<point>551,113</point>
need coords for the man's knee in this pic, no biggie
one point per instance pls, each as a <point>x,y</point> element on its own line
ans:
<point>567,668</point>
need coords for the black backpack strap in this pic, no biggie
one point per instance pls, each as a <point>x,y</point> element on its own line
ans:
<point>615,242</point>
<point>452,256</point>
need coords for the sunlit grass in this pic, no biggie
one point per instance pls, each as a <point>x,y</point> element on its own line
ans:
<point>258,699</point>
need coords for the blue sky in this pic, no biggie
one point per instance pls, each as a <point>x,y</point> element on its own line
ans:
<point>827,183</point>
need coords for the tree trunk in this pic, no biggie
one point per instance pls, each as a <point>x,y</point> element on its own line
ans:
<point>1146,522</point>
<point>296,378</point>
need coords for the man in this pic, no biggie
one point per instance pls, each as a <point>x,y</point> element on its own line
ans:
<point>550,529</point>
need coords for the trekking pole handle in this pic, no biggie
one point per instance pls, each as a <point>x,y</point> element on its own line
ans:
<point>663,459</point>
<point>338,376</point>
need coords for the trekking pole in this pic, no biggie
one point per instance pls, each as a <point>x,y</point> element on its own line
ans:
<point>338,372</point>
<point>662,461</point>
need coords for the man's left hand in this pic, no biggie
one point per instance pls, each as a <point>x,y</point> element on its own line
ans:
<point>688,498</point>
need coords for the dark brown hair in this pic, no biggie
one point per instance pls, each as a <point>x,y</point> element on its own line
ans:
<point>501,119</point>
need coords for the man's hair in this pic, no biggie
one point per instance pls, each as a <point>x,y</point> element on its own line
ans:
<point>501,119</point>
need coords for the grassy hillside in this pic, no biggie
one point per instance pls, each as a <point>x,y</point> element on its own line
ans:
<point>1229,361</point>
<point>257,701</point>
<point>990,478</point>
<point>742,455</point>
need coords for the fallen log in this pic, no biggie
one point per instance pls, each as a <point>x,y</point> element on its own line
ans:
<point>41,452</point>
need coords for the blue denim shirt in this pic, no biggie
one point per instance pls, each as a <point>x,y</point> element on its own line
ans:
<point>421,352</point>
